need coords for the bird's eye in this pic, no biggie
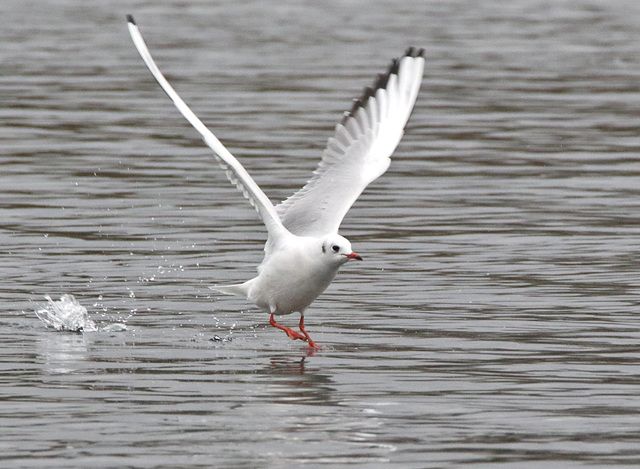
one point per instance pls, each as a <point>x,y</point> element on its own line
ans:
<point>335,248</point>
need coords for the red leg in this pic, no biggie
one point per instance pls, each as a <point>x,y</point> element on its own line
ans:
<point>290,332</point>
<point>312,344</point>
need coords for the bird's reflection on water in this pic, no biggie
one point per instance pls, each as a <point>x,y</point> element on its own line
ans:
<point>296,380</point>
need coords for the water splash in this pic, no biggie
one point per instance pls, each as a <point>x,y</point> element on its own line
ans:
<point>67,314</point>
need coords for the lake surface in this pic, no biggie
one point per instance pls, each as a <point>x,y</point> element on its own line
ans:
<point>494,322</point>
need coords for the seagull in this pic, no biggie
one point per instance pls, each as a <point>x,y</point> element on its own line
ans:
<point>304,251</point>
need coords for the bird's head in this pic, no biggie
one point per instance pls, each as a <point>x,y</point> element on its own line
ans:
<point>338,249</point>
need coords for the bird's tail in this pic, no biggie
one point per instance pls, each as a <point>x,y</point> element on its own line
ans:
<point>239,289</point>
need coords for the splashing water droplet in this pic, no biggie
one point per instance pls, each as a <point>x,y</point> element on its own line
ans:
<point>69,315</point>
<point>65,315</point>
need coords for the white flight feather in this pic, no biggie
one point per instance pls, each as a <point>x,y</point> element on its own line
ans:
<point>358,153</point>
<point>233,169</point>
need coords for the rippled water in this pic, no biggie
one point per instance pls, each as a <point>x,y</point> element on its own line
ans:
<point>494,322</point>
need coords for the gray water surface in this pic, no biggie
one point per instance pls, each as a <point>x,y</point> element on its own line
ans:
<point>494,322</point>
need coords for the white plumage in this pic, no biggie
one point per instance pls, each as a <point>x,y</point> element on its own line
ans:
<point>304,251</point>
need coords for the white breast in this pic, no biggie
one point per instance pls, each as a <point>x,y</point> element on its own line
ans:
<point>292,278</point>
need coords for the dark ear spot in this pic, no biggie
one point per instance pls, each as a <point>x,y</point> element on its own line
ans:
<point>324,249</point>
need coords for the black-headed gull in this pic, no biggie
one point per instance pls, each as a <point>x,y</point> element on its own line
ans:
<point>304,251</point>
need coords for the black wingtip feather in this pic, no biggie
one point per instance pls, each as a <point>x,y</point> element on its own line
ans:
<point>357,104</point>
<point>394,67</point>
<point>369,92</point>
<point>414,52</point>
<point>130,19</point>
<point>381,82</point>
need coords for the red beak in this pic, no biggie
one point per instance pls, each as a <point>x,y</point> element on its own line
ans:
<point>353,255</point>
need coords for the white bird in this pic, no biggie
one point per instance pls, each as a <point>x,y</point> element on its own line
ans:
<point>304,251</point>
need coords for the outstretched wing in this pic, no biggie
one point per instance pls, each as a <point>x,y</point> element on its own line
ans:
<point>359,152</point>
<point>234,170</point>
